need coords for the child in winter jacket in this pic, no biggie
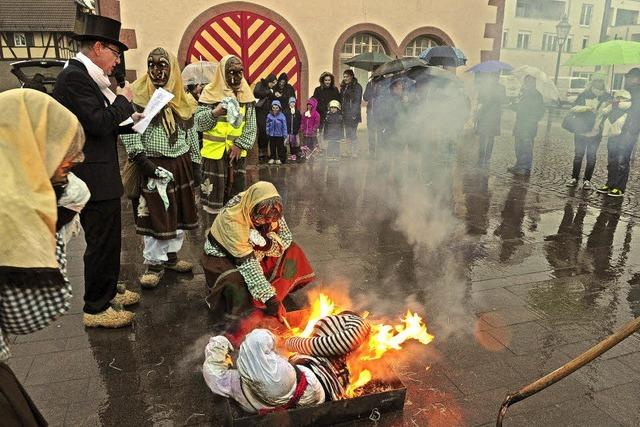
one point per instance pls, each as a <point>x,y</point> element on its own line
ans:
<point>309,126</point>
<point>333,130</point>
<point>293,126</point>
<point>277,132</point>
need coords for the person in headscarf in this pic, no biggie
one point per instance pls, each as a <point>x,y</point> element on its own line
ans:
<point>264,380</point>
<point>250,260</point>
<point>227,117</point>
<point>167,156</point>
<point>40,141</point>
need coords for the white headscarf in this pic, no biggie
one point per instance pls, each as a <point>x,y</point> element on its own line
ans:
<point>263,370</point>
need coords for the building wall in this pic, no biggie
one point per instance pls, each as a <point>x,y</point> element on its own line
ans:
<point>537,27</point>
<point>319,25</point>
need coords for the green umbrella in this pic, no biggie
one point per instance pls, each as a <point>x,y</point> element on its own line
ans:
<point>614,52</point>
<point>368,61</point>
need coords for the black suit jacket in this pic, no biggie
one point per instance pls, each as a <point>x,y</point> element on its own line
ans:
<point>77,91</point>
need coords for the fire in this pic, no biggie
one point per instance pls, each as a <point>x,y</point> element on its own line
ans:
<point>321,307</point>
<point>386,337</point>
<point>382,339</point>
<point>363,379</point>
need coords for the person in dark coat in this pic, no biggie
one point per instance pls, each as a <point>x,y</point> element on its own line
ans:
<point>491,97</point>
<point>371,97</point>
<point>294,119</point>
<point>351,101</point>
<point>325,93</point>
<point>333,130</point>
<point>283,90</point>
<point>589,133</point>
<point>621,147</point>
<point>529,110</point>
<point>264,94</point>
<point>83,87</point>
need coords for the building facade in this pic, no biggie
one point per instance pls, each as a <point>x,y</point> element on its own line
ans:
<point>529,35</point>
<point>304,39</point>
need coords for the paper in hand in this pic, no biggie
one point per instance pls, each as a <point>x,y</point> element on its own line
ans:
<point>158,100</point>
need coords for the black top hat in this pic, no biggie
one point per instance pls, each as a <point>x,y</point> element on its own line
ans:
<point>101,28</point>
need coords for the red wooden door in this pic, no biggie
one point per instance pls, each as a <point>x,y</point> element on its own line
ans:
<point>262,44</point>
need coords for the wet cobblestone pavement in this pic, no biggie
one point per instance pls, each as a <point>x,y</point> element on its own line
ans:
<point>514,277</point>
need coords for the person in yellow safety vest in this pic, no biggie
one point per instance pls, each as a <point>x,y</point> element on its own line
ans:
<point>225,142</point>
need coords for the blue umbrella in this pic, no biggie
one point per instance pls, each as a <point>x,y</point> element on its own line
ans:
<point>444,55</point>
<point>490,67</point>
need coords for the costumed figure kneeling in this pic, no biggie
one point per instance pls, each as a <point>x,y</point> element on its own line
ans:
<point>250,260</point>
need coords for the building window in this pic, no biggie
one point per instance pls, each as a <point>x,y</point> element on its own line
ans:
<point>362,43</point>
<point>585,15</point>
<point>549,42</point>
<point>567,44</point>
<point>540,9</point>
<point>523,40</point>
<point>618,81</point>
<point>585,42</point>
<point>579,79</point>
<point>504,39</point>
<point>626,17</point>
<point>419,44</point>
<point>19,39</point>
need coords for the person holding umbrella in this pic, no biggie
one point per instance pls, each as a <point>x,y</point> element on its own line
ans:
<point>529,110</point>
<point>621,147</point>
<point>491,97</point>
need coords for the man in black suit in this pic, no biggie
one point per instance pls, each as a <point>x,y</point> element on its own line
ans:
<point>83,87</point>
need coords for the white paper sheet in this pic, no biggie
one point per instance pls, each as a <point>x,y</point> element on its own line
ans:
<point>158,100</point>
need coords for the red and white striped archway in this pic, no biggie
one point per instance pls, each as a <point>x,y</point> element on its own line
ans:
<point>263,46</point>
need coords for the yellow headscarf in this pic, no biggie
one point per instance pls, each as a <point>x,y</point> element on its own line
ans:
<point>218,89</point>
<point>143,89</point>
<point>35,135</point>
<point>231,226</point>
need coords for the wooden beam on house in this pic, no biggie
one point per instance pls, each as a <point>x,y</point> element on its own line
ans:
<point>46,50</point>
<point>4,36</point>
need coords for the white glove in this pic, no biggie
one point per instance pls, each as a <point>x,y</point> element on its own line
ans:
<point>256,238</point>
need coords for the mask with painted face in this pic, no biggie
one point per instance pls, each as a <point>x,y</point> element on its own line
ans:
<point>233,73</point>
<point>159,67</point>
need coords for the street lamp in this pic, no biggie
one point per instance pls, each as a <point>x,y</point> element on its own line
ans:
<point>562,32</point>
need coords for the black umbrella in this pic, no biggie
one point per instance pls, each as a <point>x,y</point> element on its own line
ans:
<point>399,65</point>
<point>444,55</point>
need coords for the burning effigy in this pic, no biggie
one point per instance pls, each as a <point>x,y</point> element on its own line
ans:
<point>329,355</point>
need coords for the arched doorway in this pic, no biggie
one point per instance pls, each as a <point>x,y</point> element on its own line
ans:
<point>262,43</point>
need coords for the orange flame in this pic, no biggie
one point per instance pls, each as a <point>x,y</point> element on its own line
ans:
<point>382,339</point>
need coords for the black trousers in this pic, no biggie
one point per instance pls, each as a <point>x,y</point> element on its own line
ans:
<point>277,150</point>
<point>102,227</point>
<point>485,149</point>
<point>585,145</point>
<point>619,152</point>
<point>524,152</point>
